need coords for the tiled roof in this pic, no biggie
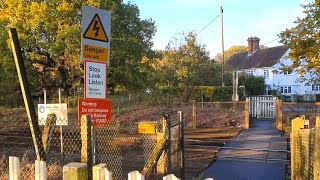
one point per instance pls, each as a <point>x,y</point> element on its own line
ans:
<point>260,58</point>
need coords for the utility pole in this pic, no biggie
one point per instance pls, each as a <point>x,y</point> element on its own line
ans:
<point>222,44</point>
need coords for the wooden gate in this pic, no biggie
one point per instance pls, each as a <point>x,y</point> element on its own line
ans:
<point>262,107</point>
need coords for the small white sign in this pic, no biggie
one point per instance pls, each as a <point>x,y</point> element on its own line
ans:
<point>60,110</point>
<point>95,36</point>
<point>95,80</point>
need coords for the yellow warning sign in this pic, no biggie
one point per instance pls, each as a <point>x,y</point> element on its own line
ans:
<point>95,53</point>
<point>95,30</point>
<point>146,128</point>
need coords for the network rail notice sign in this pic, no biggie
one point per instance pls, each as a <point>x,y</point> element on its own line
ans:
<point>60,110</point>
<point>99,109</point>
<point>95,39</point>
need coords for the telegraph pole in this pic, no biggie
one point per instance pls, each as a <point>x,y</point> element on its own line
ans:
<point>222,44</point>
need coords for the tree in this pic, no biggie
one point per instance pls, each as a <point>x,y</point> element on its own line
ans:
<point>303,40</point>
<point>231,51</point>
<point>253,85</point>
<point>185,64</point>
<point>49,33</point>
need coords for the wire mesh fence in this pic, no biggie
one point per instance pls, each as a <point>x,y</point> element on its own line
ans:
<point>292,110</point>
<point>119,145</point>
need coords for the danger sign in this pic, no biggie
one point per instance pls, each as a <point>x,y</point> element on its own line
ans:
<point>99,109</point>
<point>95,39</point>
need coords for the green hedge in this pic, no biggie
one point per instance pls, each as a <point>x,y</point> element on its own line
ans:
<point>215,93</point>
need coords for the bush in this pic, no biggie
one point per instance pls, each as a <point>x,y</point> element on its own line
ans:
<point>215,93</point>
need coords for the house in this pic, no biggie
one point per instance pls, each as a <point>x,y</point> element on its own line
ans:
<point>267,62</point>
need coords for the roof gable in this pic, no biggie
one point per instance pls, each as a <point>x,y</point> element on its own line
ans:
<point>260,58</point>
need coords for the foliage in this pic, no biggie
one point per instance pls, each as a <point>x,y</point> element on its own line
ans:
<point>303,40</point>
<point>253,85</point>
<point>49,33</point>
<point>231,51</point>
<point>185,64</point>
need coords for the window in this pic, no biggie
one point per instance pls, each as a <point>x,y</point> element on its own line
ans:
<point>286,89</point>
<point>315,87</point>
<point>266,73</point>
<point>286,72</point>
<point>250,73</point>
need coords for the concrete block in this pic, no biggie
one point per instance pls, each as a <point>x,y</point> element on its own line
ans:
<point>75,171</point>
<point>100,172</point>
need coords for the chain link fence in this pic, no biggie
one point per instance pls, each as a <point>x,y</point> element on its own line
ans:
<point>292,110</point>
<point>119,145</point>
<point>305,154</point>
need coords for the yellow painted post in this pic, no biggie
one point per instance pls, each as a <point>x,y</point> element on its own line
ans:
<point>75,171</point>
<point>297,123</point>
<point>247,115</point>
<point>318,122</point>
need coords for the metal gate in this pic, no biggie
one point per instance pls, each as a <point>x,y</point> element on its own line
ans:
<point>262,107</point>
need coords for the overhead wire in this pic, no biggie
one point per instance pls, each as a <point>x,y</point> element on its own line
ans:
<point>270,41</point>
<point>207,25</point>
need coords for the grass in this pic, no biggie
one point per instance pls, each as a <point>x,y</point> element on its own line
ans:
<point>27,167</point>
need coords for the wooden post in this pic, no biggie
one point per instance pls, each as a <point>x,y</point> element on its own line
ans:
<point>86,149</point>
<point>194,114</point>
<point>40,170</point>
<point>14,168</point>
<point>246,115</point>
<point>279,115</point>
<point>26,93</point>
<point>47,131</point>
<point>75,171</point>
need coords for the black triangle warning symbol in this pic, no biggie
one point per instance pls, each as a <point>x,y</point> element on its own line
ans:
<point>95,30</point>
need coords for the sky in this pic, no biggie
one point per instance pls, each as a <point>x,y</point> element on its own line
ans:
<point>264,19</point>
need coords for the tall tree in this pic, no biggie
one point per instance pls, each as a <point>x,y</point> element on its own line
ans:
<point>49,34</point>
<point>304,41</point>
<point>183,64</point>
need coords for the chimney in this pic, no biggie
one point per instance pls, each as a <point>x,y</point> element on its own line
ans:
<point>253,44</point>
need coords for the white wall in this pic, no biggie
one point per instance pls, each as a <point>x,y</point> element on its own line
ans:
<point>277,80</point>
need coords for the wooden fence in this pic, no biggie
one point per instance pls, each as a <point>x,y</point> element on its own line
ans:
<point>75,171</point>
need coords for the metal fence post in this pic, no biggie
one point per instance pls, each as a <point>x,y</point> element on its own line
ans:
<point>181,144</point>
